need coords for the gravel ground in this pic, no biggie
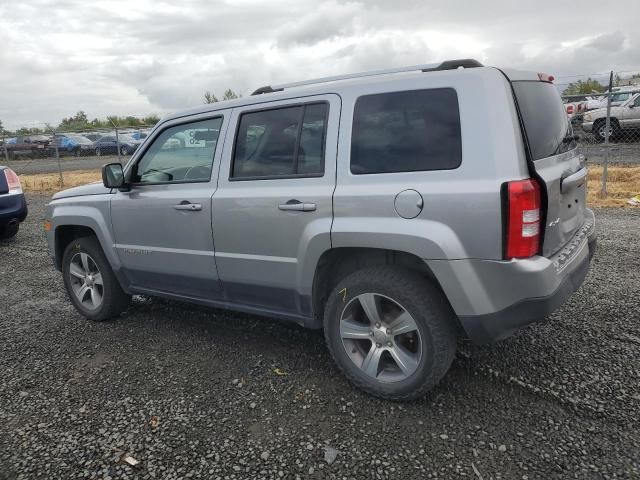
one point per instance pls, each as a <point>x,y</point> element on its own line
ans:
<point>190,392</point>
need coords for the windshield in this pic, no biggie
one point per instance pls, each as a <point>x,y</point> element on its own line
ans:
<point>544,118</point>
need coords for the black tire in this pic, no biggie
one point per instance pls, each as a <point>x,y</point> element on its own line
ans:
<point>433,316</point>
<point>114,300</point>
<point>599,127</point>
<point>98,152</point>
<point>124,150</point>
<point>9,231</point>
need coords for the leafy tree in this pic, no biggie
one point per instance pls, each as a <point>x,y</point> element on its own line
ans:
<point>583,87</point>
<point>151,119</point>
<point>30,131</point>
<point>210,97</point>
<point>229,94</point>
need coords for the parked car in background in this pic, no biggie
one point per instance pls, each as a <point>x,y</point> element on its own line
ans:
<point>139,135</point>
<point>32,146</point>
<point>108,145</point>
<point>93,136</point>
<point>624,118</point>
<point>73,144</point>
<point>380,207</point>
<point>620,95</point>
<point>13,205</point>
<point>575,108</point>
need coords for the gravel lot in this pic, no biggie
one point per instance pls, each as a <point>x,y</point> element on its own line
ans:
<point>191,392</point>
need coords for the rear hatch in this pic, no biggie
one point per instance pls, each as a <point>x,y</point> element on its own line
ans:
<point>553,158</point>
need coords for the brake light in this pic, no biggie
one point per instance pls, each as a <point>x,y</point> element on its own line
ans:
<point>545,77</point>
<point>523,219</point>
<point>569,109</point>
<point>12,181</point>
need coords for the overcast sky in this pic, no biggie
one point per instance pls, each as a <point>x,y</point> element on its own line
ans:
<point>150,56</point>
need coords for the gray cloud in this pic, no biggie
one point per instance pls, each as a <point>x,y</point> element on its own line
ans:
<point>112,56</point>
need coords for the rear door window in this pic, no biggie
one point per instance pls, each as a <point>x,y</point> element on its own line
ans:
<point>407,131</point>
<point>281,142</point>
<point>545,119</point>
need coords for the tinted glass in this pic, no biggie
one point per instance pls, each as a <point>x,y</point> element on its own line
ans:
<point>281,142</point>
<point>183,153</point>
<point>544,117</point>
<point>311,150</point>
<point>406,132</point>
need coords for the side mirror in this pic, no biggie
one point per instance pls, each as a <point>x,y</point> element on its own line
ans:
<point>113,175</point>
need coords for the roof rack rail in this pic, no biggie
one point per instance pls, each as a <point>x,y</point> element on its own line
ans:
<point>431,67</point>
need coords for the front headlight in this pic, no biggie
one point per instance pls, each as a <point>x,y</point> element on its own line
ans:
<point>587,117</point>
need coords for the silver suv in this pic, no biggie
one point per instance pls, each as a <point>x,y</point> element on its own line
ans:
<point>398,210</point>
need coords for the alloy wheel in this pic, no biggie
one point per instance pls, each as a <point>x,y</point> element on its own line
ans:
<point>86,280</point>
<point>602,131</point>
<point>381,337</point>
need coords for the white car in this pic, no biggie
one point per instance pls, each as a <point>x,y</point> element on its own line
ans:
<point>620,95</point>
<point>623,118</point>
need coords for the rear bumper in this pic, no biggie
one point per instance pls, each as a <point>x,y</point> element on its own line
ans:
<point>495,298</point>
<point>12,208</point>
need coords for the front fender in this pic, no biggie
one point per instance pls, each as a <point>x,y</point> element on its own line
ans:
<point>94,214</point>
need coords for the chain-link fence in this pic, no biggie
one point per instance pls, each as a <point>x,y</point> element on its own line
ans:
<point>51,153</point>
<point>607,127</point>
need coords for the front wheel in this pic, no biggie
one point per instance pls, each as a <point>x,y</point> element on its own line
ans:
<point>391,332</point>
<point>98,152</point>
<point>600,130</point>
<point>90,282</point>
<point>124,150</point>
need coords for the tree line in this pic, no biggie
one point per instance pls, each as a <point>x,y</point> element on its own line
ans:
<point>80,121</point>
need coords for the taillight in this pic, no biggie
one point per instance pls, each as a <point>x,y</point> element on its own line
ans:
<point>12,181</point>
<point>569,109</point>
<point>523,219</point>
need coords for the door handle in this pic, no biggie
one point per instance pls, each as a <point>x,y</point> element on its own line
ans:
<point>297,206</point>
<point>574,179</point>
<point>191,207</point>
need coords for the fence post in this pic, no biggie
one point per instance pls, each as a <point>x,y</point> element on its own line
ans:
<point>603,192</point>
<point>55,143</point>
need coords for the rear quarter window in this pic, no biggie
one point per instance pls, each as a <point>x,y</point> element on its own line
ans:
<point>544,117</point>
<point>408,131</point>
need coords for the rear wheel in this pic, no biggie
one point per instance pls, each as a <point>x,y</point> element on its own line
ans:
<point>391,332</point>
<point>124,150</point>
<point>90,282</point>
<point>98,152</point>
